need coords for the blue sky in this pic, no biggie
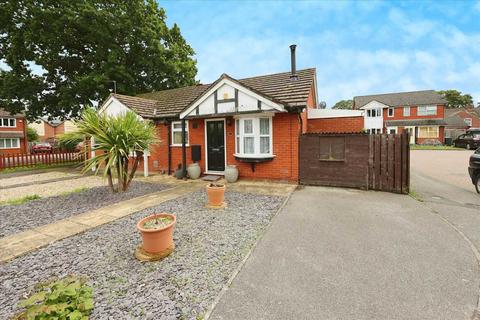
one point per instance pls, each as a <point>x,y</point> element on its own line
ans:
<point>357,47</point>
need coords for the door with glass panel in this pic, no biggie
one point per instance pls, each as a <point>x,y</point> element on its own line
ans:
<point>215,145</point>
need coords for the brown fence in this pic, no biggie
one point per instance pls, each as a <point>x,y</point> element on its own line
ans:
<point>377,162</point>
<point>17,160</point>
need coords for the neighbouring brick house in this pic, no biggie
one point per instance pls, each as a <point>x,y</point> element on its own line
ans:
<point>50,130</point>
<point>13,133</point>
<point>460,119</point>
<point>421,113</point>
<point>335,121</point>
<point>253,123</point>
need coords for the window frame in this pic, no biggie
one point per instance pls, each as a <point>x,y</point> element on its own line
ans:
<point>469,122</point>
<point>432,112</point>
<point>11,140</point>
<point>240,136</point>
<point>392,110</point>
<point>172,144</point>
<point>406,114</point>
<point>330,141</point>
<point>419,135</point>
<point>9,119</point>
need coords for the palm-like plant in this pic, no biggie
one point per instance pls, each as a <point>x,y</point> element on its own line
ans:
<point>115,140</point>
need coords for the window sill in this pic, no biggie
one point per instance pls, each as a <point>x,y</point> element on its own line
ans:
<point>254,158</point>
<point>179,145</point>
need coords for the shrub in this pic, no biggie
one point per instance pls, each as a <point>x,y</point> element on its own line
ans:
<point>32,134</point>
<point>68,298</point>
<point>69,141</point>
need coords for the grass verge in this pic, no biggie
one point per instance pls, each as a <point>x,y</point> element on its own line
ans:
<point>21,200</point>
<point>415,195</point>
<point>421,147</point>
<point>31,197</point>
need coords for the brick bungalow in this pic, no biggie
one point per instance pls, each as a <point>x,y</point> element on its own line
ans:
<point>421,113</point>
<point>253,123</point>
<point>13,133</point>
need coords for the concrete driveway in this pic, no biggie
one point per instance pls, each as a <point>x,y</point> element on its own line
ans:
<point>350,254</point>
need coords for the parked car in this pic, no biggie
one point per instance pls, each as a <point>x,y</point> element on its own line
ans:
<point>474,169</point>
<point>469,140</point>
<point>42,147</point>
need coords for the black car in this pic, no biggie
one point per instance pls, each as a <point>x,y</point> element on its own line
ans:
<point>469,140</point>
<point>474,169</point>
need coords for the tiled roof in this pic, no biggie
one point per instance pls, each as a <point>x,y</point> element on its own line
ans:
<point>415,122</point>
<point>456,121</point>
<point>169,103</point>
<point>5,113</point>
<point>413,98</point>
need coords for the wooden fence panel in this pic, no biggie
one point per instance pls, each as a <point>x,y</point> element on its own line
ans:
<point>378,162</point>
<point>18,160</point>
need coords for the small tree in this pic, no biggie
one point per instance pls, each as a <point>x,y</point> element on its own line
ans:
<point>343,104</point>
<point>115,140</point>
<point>32,134</point>
<point>456,99</point>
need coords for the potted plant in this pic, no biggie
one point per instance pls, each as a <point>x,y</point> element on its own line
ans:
<point>216,195</point>
<point>157,234</point>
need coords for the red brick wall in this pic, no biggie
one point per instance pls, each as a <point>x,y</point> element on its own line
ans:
<point>311,103</point>
<point>20,126</point>
<point>286,130</point>
<point>398,114</point>
<point>346,124</point>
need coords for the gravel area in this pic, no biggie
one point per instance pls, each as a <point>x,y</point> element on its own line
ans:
<point>52,188</point>
<point>209,246</point>
<point>16,218</point>
<point>35,178</point>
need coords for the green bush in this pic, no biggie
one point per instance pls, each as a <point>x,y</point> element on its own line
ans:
<point>69,141</point>
<point>68,298</point>
<point>32,134</point>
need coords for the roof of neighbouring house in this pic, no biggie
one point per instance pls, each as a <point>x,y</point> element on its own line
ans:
<point>413,98</point>
<point>169,103</point>
<point>472,111</point>
<point>415,122</point>
<point>5,113</point>
<point>455,121</point>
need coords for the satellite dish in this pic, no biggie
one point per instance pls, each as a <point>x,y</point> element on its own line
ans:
<point>322,105</point>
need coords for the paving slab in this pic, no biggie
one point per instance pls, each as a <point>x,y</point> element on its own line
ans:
<point>351,254</point>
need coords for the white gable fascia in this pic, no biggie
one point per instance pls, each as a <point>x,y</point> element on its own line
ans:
<point>114,107</point>
<point>374,104</point>
<point>265,102</point>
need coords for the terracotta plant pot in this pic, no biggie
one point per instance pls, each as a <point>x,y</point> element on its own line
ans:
<point>216,194</point>
<point>156,241</point>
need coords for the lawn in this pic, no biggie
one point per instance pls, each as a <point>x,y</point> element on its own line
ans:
<point>424,147</point>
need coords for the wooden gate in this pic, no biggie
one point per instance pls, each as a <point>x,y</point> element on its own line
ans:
<point>377,162</point>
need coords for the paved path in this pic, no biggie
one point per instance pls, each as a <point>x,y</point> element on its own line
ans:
<point>348,254</point>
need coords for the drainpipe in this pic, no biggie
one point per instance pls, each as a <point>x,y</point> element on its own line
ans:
<point>169,139</point>
<point>184,150</point>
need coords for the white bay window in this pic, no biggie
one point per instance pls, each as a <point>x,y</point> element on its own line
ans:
<point>253,137</point>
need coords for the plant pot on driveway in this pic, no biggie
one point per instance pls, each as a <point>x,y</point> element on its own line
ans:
<point>157,236</point>
<point>231,174</point>
<point>216,195</point>
<point>194,171</point>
